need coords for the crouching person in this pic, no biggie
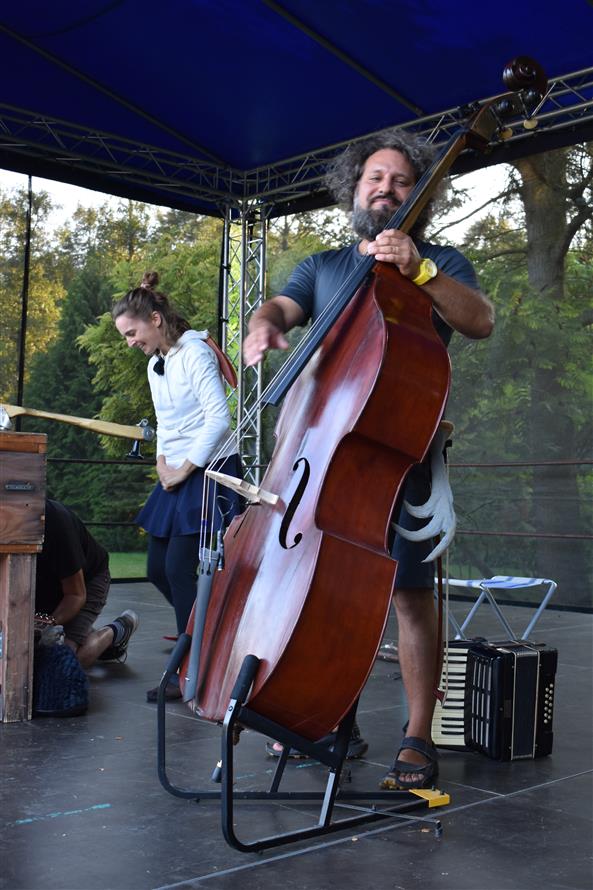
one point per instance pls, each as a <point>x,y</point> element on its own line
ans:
<point>72,584</point>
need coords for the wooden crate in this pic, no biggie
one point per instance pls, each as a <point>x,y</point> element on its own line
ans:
<point>22,513</point>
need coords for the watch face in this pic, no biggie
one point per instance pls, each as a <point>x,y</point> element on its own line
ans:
<point>428,270</point>
<point>429,267</point>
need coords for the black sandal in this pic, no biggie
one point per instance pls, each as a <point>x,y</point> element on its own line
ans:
<point>395,778</point>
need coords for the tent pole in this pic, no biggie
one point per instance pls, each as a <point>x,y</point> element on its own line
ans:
<point>24,300</point>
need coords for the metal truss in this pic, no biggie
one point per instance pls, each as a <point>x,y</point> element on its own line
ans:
<point>28,135</point>
<point>243,267</point>
<point>568,105</point>
<point>246,199</point>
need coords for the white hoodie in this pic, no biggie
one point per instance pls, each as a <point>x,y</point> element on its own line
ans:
<point>193,418</point>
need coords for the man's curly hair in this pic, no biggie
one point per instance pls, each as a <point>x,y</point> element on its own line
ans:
<point>345,171</point>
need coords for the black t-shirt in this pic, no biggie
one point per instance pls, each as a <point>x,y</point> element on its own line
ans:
<point>67,547</point>
<point>317,279</point>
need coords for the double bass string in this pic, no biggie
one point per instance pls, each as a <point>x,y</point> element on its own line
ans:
<point>238,435</point>
<point>292,358</point>
<point>209,486</point>
<point>337,302</point>
<point>405,213</point>
<point>345,291</point>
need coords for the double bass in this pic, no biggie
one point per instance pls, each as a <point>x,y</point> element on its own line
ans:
<point>307,580</point>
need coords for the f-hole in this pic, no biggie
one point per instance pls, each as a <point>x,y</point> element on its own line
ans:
<point>294,502</point>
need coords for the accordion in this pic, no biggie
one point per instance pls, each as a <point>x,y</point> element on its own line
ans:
<point>499,699</point>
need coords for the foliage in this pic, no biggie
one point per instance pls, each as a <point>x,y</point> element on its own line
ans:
<point>291,239</point>
<point>44,291</point>
<point>186,256</point>
<point>523,396</point>
<point>61,382</point>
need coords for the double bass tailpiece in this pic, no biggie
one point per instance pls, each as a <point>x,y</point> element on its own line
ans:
<point>252,493</point>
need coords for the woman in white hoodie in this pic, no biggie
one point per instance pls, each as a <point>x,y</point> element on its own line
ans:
<point>193,423</point>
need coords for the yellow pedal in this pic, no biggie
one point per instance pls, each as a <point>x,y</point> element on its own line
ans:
<point>432,796</point>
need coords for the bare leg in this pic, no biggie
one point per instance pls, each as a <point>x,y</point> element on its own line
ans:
<point>417,641</point>
<point>95,644</point>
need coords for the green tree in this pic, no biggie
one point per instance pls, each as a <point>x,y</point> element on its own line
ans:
<point>62,379</point>
<point>188,267</point>
<point>44,293</point>
<point>525,394</point>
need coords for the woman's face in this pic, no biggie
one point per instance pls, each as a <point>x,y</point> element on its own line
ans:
<point>141,334</point>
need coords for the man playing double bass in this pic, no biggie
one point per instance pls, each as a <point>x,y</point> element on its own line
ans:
<point>372,178</point>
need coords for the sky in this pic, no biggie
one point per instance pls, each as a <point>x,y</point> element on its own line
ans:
<point>479,184</point>
<point>68,196</point>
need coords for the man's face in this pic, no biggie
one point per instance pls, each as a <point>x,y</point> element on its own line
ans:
<point>386,181</point>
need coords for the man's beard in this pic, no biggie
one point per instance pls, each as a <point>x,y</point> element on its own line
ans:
<point>368,223</point>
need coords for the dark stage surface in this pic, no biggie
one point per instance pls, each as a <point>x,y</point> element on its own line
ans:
<point>82,808</point>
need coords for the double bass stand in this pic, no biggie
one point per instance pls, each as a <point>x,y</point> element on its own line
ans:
<point>330,753</point>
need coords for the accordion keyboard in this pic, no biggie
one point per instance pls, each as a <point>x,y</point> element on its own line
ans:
<point>448,718</point>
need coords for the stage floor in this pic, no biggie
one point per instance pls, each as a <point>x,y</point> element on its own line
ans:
<point>82,807</point>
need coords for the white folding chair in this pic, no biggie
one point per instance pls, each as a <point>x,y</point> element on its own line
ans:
<point>487,586</point>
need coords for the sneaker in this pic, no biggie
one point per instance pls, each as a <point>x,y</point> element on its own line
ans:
<point>172,692</point>
<point>123,626</point>
<point>357,747</point>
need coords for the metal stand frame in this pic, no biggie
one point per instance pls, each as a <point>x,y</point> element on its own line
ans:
<point>486,588</point>
<point>329,752</point>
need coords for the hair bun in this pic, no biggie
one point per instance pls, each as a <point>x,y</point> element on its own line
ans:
<point>150,279</point>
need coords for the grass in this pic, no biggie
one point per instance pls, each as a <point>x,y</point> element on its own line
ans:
<point>127,565</point>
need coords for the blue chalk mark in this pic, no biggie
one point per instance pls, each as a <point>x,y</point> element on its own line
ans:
<point>43,818</point>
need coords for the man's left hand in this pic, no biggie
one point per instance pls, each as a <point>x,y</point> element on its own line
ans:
<point>393,246</point>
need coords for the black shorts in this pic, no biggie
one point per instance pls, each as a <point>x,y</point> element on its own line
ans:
<point>411,571</point>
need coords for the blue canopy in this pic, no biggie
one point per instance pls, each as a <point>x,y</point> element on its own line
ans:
<point>195,103</point>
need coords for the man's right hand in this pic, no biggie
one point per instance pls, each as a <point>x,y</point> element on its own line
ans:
<point>262,337</point>
<point>267,327</point>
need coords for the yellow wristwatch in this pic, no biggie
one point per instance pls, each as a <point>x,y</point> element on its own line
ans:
<point>428,270</point>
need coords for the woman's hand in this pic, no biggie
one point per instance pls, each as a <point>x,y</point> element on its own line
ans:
<point>171,477</point>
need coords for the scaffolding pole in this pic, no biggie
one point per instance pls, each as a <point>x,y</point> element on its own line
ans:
<point>244,275</point>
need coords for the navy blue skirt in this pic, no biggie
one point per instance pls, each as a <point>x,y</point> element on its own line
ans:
<point>167,514</point>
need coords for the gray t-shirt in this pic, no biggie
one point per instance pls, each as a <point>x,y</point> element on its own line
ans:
<point>317,279</point>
